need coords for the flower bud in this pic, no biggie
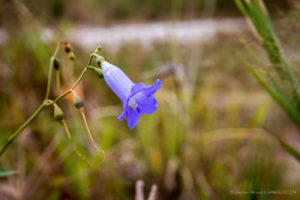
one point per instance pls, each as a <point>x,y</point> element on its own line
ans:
<point>77,100</point>
<point>64,42</point>
<point>58,113</point>
<point>98,71</point>
<point>98,49</point>
<point>68,47</point>
<point>99,59</point>
<point>71,55</point>
<point>56,64</point>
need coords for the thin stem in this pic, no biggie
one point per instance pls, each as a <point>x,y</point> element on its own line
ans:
<point>81,110</point>
<point>70,90</point>
<point>66,60</point>
<point>63,122</point>
<point>47,102</point>
<point>24,125</point>
<point>58,79</point>
<point>76,83</point>
<point>50,71</point>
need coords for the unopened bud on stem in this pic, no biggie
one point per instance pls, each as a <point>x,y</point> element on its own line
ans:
<point>98,49</point>
<point>99,59</point>
<point>56,64</point>
<point>68,47</point>
<point>98,71</point>
<point>71,55</point>
<point>58,113</point>
<point>77,100</point>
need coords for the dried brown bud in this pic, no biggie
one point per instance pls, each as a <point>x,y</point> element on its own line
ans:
<point>64,42</point>
<point>68,48</point>
<point>56,64</point>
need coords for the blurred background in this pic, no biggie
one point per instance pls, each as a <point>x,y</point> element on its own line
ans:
<point>205,141</point>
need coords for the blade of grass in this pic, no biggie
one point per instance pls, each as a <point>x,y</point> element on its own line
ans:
<point>274,85</point>
<point>290,110</point>
<point>288,148</point>
<point>258,15</point>
<point>6,172</point>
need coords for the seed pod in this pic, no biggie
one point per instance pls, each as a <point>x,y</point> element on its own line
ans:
<point>56,64</point>
<point>71,55</point>
<point>68,48</point>
<point>58,113</point>
<point>98,71</point>
<point>64,42</point>
<point>77,100</point>
<point>99,59</point>
<point>98,49</point>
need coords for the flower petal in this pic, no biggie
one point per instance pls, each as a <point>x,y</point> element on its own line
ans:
<point>132,117</point>
<point>117,80</point>
<point>121,117</point>
<point>149,90</point>
<point>137,88</point>
<point>145,104</point>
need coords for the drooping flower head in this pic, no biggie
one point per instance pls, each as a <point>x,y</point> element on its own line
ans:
<point>137,98</point>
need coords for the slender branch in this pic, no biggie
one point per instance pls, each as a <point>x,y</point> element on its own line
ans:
<point>58,79</point>
<point>83,72</point>
<point>47,101</point>
<point>38,110</point>
<point>50,71</point>
<point>64,124</point>
<point>87,127</point>
<point>76,83</point>
<point>89,132</point>
<point>24,125</point>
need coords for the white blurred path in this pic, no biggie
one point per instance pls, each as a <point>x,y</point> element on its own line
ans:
<point>146,34</point>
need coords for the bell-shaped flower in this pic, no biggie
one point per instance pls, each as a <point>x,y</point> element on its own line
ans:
<point>137,98</point>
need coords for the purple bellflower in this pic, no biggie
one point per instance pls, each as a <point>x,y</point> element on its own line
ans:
<point>137,98</point>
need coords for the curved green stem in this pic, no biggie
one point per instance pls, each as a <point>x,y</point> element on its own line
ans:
<point>64,124</point>
<point>81,110</point>
<point>24,125</point>
<point>58,79</point>
<point>76,83</point>
<point>50,71</point>
<point>47,101</point>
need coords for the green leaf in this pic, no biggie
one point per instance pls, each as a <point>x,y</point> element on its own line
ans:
<point>6,172</point>
<point>281,100</point>
<point>293,152</point>
<point>241,6</point>
<point>258,15</point>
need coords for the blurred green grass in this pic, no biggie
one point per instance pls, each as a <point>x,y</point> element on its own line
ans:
<point>202,143</point>
<point>174,148</point>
